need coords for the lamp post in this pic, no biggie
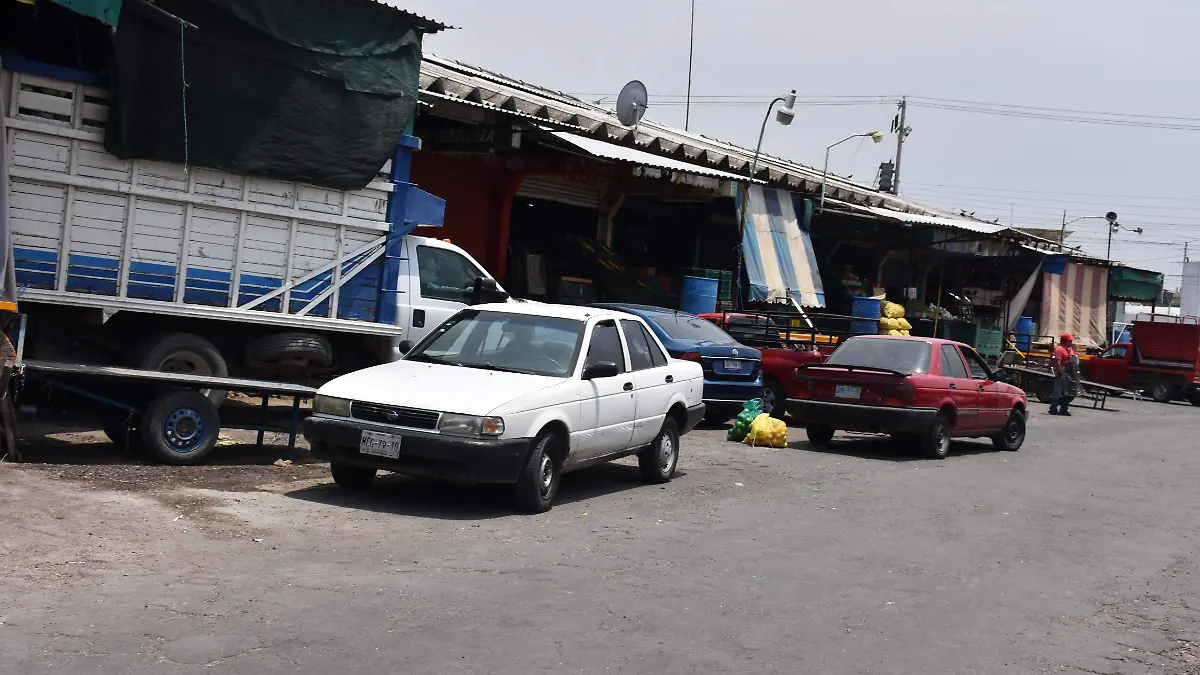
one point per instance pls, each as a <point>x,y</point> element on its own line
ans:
<point>784,116</point>
<point>1113,228</point>
<point>876,136</point>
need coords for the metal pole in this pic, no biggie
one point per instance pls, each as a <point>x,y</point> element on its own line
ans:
<point>1108,252</point>
<point>737,280</point>
<point>824,177</point>
<point>900,134</point>
<point>1062,234</point>
<point>687,111</point>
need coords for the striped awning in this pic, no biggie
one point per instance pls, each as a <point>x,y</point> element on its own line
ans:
<point>1076,302</point>
<point>777,249</point>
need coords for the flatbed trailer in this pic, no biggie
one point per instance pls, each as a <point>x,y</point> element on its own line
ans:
<point>1040,383</point>
<point>159,415</point>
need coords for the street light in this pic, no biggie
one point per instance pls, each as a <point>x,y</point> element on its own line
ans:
<point>1113,227</point>
<point>876,136</point>
<point>784,116</point>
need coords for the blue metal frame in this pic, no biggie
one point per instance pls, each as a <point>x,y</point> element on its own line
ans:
<point>408,207</point>
<point>57,72</point>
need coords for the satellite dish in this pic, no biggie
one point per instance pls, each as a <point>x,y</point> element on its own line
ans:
<point>632,103</point>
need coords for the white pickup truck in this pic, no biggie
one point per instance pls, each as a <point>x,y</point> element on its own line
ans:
<point>516,394</point>
<point>164,267</point>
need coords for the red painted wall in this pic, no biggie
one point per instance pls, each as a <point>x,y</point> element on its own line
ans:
<point>475,191</point>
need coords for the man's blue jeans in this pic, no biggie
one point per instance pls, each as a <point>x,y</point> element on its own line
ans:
<point>1057,403</point>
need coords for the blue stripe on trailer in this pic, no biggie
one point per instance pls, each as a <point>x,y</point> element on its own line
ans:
<point>357,301</point>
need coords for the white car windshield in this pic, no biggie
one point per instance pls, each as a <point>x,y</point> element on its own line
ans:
<point>514,343</point>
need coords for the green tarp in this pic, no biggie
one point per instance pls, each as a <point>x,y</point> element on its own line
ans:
<point>316,91</point>
<point>1126,283</point>
<point>107,11</point>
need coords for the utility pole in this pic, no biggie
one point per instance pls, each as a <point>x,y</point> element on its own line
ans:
<point>1062,234</point>
<point>1185,258</point>
<point>902,131</point>
<point>687,110</point>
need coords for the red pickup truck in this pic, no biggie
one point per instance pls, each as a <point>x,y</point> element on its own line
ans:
<point>780,359</point>
<point>1162,358</point>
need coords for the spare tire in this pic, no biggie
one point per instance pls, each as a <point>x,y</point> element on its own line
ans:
<point>184,353</point>
<point>301,350</point>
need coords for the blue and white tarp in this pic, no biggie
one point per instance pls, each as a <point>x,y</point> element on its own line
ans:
<point>777,248</point>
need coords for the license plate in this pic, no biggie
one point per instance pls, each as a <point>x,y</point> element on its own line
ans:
<point>847,391</point>
<point>734,366</point>
<point>379,445</point>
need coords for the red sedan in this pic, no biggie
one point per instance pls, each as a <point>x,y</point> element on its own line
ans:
<point>918,389</point>
<point>779,361</point>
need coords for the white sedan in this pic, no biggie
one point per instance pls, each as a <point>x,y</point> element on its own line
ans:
<point>512,393</point>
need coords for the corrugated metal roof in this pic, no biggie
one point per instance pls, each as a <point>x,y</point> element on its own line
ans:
<point>488,106</point>
<point>471,83</point>
<point>940,221</point>
<point>641,158</point>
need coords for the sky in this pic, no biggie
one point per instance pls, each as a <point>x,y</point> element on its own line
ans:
<point>1122,61</point>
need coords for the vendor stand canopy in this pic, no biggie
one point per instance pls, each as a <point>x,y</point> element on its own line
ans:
<point>1127,283</point>
<point>777,248</point>
<point>1075,301</point>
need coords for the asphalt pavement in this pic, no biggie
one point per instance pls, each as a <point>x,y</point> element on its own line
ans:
<point>1077,554</point>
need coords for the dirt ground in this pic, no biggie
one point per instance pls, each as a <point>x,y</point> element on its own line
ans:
<point>1078,554</point>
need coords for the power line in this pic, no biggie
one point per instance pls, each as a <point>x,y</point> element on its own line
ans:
<point>1053,192</point>
<point>1100,117</point>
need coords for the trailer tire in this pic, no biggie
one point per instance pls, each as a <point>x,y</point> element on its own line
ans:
<point>1044,390</point>
<point>1162,392</point>
<point>185,353</point>
<point>180,427</point>
<point>302,350</point>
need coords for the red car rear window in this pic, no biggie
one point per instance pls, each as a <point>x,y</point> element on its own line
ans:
<point>903,356</point>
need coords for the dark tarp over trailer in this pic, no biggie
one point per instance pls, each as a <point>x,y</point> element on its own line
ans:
<point>317,91</point>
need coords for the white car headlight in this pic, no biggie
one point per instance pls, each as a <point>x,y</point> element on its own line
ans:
<point>470,425</point>
<point>328,405</point>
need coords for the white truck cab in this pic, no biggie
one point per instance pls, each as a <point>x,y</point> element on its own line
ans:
<point>437,279</point>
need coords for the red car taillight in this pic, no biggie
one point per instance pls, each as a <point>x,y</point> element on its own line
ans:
<point>690,356</point>
<point>802,387</point>
<point>905,393</point>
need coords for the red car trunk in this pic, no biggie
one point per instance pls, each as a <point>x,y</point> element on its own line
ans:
<point>853,385</point>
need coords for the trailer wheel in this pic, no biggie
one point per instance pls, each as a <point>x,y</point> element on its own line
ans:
<point>1044,390</point>
<point>185,353</point>
<point>180,427</point>
<point>1162,392</point>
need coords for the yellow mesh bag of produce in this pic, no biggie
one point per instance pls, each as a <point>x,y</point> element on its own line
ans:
<point>892,310</point>
<point>903,324</point>
<point>767,431</point>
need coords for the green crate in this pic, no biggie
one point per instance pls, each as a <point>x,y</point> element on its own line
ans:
<point>724,278</point>
<point>986,340</point>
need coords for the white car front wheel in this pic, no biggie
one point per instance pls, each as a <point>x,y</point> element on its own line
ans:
<point>658,462</point>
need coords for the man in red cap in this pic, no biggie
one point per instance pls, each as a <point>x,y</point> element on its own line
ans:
<point>1064,384</point>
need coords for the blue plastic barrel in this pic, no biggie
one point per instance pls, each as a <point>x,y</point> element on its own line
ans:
<point>1023,332</point>
<point>865,308</point>
<point>698,295</point>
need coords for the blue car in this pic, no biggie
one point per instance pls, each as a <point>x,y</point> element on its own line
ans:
<point>732,371</point>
